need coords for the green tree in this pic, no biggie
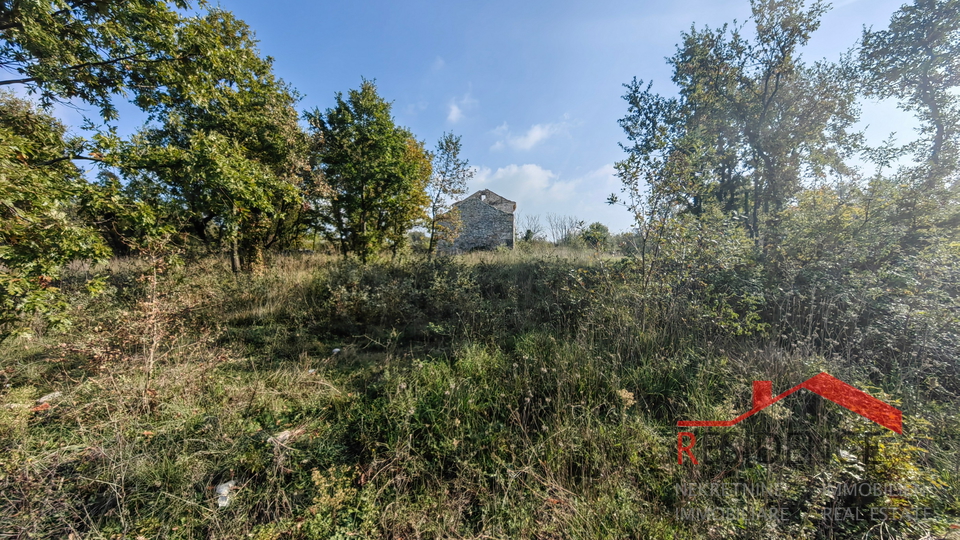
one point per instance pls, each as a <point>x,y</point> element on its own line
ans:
<point>751,121</point>
<point>200,78</point>
<point>407,207</point>
<point>40,230</point>
<point>92,49</point>
<point>230,159</point>
<point>917,61</point>
<point>375,173</point>
<point>450,177</point>
<point>596,235</point>
<point>88,51</point>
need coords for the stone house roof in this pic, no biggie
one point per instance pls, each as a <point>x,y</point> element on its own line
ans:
<point>486,196</point>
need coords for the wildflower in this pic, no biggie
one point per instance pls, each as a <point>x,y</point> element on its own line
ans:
<point>627,397</point>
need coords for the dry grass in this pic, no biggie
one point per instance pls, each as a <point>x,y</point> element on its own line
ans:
<point>497,395</point>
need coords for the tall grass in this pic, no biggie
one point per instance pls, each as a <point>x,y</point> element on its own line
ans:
<point>495,395</point>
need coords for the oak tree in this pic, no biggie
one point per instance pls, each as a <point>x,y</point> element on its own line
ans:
<point>375,173</point>
<point>40,230</point>
<point>231,158</point>
<point>91,50</point>
<point>751,123</point>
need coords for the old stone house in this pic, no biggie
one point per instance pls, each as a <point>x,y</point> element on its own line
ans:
<point>486,222</point>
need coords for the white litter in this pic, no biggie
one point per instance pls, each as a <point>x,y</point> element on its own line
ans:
<point>49,397</point>
<point>311,371</point>
<point>223,492</point>
<point>336,351</point>
<point>281,438</point>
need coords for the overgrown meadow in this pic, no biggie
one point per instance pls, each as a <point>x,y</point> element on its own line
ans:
<point>524,394</point>
<point>175,364</point>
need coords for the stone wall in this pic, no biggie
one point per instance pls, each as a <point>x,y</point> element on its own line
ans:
<point>486,222</point>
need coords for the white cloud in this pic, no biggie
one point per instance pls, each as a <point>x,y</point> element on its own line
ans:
<point>540,191</point>
<point>534,136</point>
<point>438,64</point>
<point>605,176</point>
<point>458,106</point>
<point>528,182</point>
<point>455,113</point>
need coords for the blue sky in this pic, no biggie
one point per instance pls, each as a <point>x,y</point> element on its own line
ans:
<point>533,87</point>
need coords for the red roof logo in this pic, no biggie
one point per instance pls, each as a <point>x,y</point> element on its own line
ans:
<point>826,386</point>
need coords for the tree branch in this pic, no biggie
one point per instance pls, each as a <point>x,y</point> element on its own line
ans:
<point>73,6</point>
<point>69,158</point>
<point>107,62</point>
<point>98,64</point>
<point>18,81</point>
<point>9,23</point>
<point>101,160</point>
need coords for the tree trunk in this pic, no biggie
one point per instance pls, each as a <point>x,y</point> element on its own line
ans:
<point>234,255</point>
<point>234,243</point>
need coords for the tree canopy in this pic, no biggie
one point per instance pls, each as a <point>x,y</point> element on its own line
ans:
<point>751,120</point>
<point>232,157</point>
<point>376,173</point>
<point>917,61</point>
<point>40,230</point>
<point>92,49</point>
